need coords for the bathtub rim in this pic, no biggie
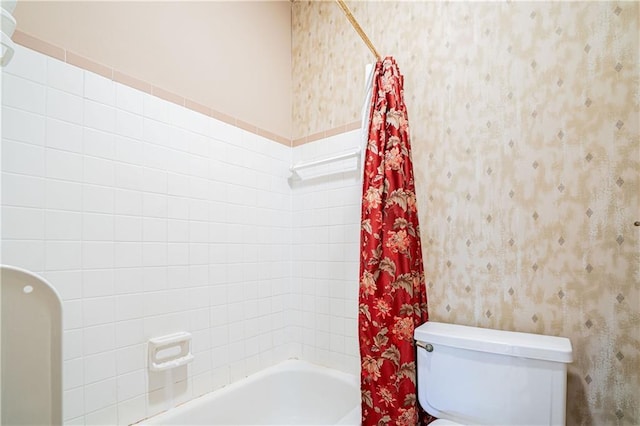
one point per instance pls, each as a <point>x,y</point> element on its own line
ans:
<point>288,365</point>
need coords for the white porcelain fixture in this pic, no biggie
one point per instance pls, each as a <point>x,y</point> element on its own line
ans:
<point>8,5</point>
<point>31,334</point>
<point>331,165</point>
<point>170,351</point>
<point>7,27</point>
<point>477,376</point>
<point>7,47</point>
<point>7,22</point>
<point>290,393</point>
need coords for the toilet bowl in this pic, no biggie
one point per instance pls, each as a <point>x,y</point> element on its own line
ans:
<point>469,375</point>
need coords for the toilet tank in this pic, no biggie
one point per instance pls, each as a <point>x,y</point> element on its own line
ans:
<point>481,376</point>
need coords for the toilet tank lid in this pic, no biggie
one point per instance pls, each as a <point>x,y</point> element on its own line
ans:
<point>526,345</point>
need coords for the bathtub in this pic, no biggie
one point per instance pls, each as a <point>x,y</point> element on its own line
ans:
<point>290,393</point>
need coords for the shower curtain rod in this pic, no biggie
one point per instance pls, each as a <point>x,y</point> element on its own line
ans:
<point>358,28</point>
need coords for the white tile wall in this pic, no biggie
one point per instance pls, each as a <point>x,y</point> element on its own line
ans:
<point>150,218</point>
<point>322,304</point>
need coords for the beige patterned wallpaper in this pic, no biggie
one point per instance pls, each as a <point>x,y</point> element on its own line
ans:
<point>526,146</point>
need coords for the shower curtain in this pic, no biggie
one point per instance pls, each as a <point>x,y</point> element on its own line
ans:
<point>392,294</point>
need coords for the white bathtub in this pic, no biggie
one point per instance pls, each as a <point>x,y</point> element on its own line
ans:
<point>290,393</point>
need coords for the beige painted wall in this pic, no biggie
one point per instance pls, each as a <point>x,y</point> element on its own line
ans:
<point>525,126</point>
<point>233,56</point>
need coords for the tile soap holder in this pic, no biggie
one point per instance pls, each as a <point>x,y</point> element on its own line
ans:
<point>170,351</point>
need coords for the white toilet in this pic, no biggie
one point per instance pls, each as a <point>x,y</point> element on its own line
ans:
<point>477,376</point>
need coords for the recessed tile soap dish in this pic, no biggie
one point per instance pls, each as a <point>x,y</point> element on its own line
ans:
<point>170,351</point>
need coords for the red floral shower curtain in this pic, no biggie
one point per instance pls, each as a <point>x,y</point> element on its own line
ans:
<point>392,296</point>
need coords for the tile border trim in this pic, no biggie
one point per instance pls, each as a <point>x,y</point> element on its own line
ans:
<point>355,125</point>
<point>87,64</point>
